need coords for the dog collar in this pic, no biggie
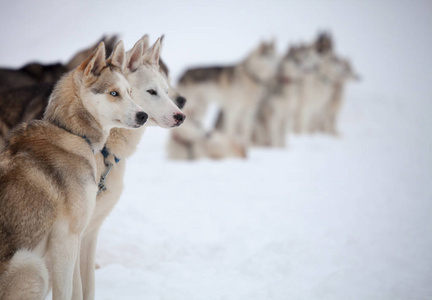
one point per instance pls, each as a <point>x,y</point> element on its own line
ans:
<point>105,152</point>
<point>108,166</point>
<point>81,136</point>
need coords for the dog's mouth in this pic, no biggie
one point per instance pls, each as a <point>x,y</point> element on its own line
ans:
<point>134,125</point>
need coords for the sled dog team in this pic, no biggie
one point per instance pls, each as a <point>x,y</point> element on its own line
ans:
<point>62,175</point>
<point>66,132</point>
<point>261,99</point>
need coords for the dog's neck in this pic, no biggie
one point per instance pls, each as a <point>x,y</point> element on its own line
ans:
<point>66,110</point>
<point>122,143</point>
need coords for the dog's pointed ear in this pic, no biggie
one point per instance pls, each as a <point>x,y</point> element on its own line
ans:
<point>118,57</point>
<point>134,56</point>
<point>110,43</point>
<point>94,64</point>
<point>152,55</point>
<point>262,47</point>
<point>146,42</point>
<point>162,40</point>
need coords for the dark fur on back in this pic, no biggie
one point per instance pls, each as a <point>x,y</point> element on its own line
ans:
<point>206,74</point>
<point>22,104</point>
<point>30,74</point>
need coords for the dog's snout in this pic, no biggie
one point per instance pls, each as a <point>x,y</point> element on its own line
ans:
<point>181,101</point>
<point>141,117</point>
<point>179,118</point>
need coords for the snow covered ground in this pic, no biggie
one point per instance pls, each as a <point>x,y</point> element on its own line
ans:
<point>326,218</point>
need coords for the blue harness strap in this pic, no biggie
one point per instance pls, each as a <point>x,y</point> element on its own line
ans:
<point>105,152</point>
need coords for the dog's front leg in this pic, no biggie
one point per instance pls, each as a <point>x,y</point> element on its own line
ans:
<point>64,246</point>
<point>77,292</point>
<point>88,254</point>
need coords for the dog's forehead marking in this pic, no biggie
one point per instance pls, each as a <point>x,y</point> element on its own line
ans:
<point>152,77</point>
<point>109,80</point>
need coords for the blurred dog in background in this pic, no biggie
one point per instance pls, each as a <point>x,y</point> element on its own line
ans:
<point>237,91</point>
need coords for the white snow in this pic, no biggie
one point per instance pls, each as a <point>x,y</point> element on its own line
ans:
<point>326,218</point>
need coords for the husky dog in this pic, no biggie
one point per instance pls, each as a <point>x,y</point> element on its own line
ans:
<point>35,73</point>
<point>48,177</point>
<point>237,89</point>
<point>277,110</point>
<point>150,91</point>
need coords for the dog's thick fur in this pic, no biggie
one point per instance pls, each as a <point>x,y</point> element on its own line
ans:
<point>48,178</point>
<point>22,104</point>
<point>32,73</point>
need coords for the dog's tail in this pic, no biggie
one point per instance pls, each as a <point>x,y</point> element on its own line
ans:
<point>25,276</point>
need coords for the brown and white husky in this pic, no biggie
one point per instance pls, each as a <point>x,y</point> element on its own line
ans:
<point>49,178</point>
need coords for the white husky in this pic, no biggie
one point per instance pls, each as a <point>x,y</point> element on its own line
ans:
<point>149,90</point>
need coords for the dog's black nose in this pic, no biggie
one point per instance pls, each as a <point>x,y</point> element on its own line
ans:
<point>181,101</point>
<point>180,118</point>
<point>141,118</point>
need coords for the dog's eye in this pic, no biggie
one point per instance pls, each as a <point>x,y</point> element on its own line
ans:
<point>152,92</point>
<point>114,94</point>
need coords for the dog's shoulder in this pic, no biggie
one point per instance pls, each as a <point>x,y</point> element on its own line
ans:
<point>43,140</point>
